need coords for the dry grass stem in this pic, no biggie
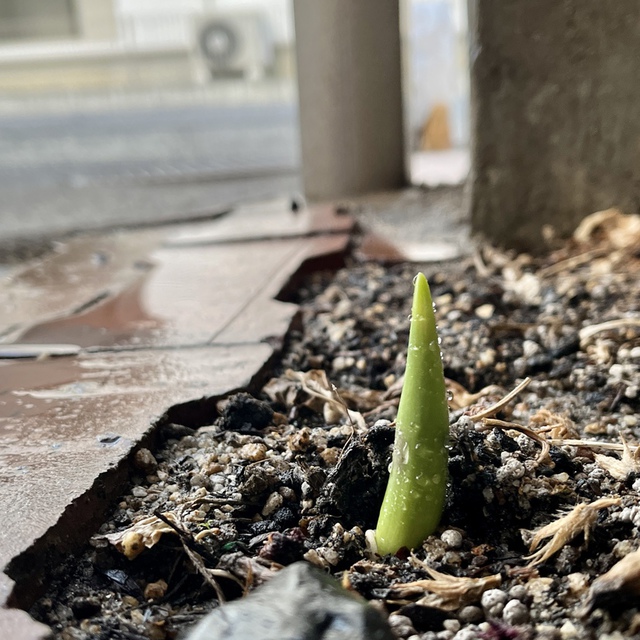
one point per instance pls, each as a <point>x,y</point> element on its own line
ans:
<point>571,263</point>
<point>579,520</point>
<point>589,444</point>
<point>489,423</point>
<point>501,403</point>
<point>588,332</point>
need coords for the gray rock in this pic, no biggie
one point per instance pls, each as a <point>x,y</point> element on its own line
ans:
<point>300,603</point>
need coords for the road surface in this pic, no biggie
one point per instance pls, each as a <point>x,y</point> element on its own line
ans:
<point>133,164</point>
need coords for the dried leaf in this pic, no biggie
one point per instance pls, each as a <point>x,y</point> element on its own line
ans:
<point>580,519</point>
<point>445,591</point>
<point>460,398</point>
<point>612,226</point>
<point>321,396</point>
<point>141,535</point>
<point>557,426</point>
<point>620,468</point>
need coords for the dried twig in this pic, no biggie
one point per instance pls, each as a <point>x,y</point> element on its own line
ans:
<point>502,424</point>
<point>570,263</point>
<point>493,409</point>
<point>586,333</point>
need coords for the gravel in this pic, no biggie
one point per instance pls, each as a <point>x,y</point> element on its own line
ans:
<point>287,473</point>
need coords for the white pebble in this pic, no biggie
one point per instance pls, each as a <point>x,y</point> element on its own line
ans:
<point>493,602</point>
<point>518,592</point>
<point>515,613</point>
<point>451,538</point>
<point>470,614</point>
<point>485,311</point>
<point>568,630</point>
<point>139,492</point>
<point>452,625</point>
<point>466,634</point>
<point>530,348</point>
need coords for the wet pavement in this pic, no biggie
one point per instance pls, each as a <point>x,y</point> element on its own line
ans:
<point>153,327</point>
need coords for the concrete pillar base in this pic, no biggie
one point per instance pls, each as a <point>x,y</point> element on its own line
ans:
<point>349,79</point>
<point>555,126</point>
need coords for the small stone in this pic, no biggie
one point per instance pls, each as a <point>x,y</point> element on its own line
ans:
<point>300,440</point>
<point>198,480</point>
<point>451,538</point>
<point>145,461</point>
<point>515,613</point>
<point>330,456</point>
<point>547,632</point>
<point>401,625</point>
<point>213,467</point>
<point>139,492</point>
<point>130,601</point>
<point>466,634</point>
<point>155,590</point>
<point>471,614</point>
<point>530,348</point>
<point>287,493</point>
<point>290,606</point>
<point>273,503</point>
<point>389,380</point>
<point>518,592</point>
<point>487,357</point>
<point>493,601</point>
<point>485,311</point>
<point>340,363</point>
<point>452,625</point>
<point>568,630</point>
<point>253,451</point>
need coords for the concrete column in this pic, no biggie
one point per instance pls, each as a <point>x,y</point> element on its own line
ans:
<point>96,19</point>
<point>349,82</point>
<point>555,104</point>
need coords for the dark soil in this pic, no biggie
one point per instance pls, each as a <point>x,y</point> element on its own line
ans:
<point>287,474</point>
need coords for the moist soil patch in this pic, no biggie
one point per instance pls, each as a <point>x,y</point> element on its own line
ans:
<point>542,489</point>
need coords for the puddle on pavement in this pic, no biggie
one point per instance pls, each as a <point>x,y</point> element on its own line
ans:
<point>118,320</point>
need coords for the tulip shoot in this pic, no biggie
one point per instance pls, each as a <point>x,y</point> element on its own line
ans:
<point>415,495</point>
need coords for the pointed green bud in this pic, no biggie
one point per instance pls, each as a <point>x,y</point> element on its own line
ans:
<point>415,495</point>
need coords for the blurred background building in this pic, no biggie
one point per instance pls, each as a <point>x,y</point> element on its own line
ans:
<point>198,93</point>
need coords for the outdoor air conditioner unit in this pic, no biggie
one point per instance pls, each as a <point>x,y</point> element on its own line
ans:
<point>234,44</point>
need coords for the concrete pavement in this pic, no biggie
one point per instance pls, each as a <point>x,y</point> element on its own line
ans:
<point>157,325</point>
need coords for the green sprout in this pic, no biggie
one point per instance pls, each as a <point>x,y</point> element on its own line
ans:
<point>414,498</point>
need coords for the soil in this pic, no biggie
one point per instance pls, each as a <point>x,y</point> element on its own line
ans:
<point>298,469</point>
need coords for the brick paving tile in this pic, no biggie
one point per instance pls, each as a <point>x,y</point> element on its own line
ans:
<point>154,327</point>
